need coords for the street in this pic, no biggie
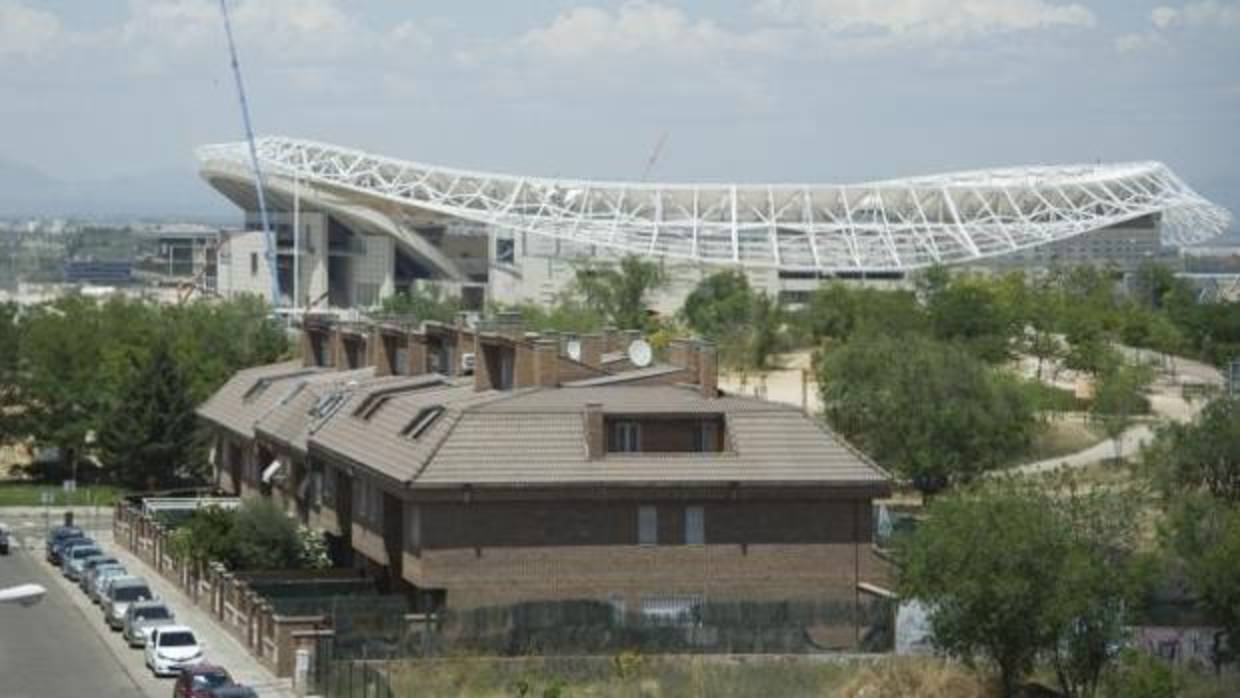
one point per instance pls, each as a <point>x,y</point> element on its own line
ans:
<point>58,647</point>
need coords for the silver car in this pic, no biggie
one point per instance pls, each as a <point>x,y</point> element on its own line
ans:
<point>142,618</point>
<point>90,564</point>
<point>122,592</point>
<point>75,559</point>
<point>103,576</point>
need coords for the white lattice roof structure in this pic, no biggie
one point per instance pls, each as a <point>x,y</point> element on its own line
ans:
<point>891,225</point>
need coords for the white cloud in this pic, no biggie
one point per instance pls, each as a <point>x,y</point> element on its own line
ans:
<point>1201,13</point>
<point>928,19</point>
<point>1140,42</point>
<point>25,31</point>
<point>638,26</point>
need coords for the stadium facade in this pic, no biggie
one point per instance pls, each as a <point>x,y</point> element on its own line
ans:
<point>369,226</point>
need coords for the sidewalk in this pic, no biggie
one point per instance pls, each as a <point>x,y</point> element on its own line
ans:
<point>222,648</point>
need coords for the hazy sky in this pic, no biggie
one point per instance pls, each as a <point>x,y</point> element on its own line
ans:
<point>804,90</point>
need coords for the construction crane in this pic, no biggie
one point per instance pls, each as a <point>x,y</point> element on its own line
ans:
<point>269,241</point>
<point>654,155</point>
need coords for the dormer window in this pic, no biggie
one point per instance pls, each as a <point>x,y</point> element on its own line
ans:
<point>625,437</point>
<point>423,421</point>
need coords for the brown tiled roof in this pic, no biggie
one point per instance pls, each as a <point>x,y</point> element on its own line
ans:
<point>637,374</point>
<point>538,438</point>
<point>250,393</point>
<point>288,421</point>
<point>532,436</point>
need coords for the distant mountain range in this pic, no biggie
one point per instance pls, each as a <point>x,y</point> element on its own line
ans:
<point>25,191</point>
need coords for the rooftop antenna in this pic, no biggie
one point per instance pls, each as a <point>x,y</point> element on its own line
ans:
<point>269,242</point>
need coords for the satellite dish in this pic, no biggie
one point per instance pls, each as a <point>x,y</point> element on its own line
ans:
<point>640,353</point>
<point>574,349</point>
<point>468,362</point>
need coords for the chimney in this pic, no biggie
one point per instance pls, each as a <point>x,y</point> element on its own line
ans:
<point>610,339</point>
<point>308,336</point>
<point>482,378</point>
<point>336,358</point>
<point>417,354</point>
<point>546,363</point>
<point>708,370</point>
<point>596,437</point>
<point>382,342</point>
<point>592,350</point>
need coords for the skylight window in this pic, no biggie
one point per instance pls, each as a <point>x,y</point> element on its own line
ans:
<point>327,405</point>
<point>423,421</point>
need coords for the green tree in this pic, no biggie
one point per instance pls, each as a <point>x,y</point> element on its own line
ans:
<point>1119,396</point>
<point>931,411</point>
<point>1204,533</point>
<point>1013,572</point>
<point>719,305</point>
<point>206,536</point>
<point>11,410</point>
<point>423,304</point>
<point>264,538</point>
<point>837,312</point>
<point>148,438</point>
<point>970,312</point>
<point>566,314</point>
<point>1202,456</point>
<point>620,291</point>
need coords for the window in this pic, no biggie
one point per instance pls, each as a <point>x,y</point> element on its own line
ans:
<point>505,250</point>
<point>423,421</point>
<point>400,361</point>
<point>625,437</point>
<point>371,405</point>
<point>647,525</point>
<point>706,438</point>
<point>695,525</point>
<point>253,264</point>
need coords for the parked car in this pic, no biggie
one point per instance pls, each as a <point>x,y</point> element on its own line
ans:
<point>102,576</point>
<point>232,692</point>
<point>171,649</point>
<point>75,558</point>
<point>199,680</point>
<point>4,540</point>
<point>143,617</point>
<point>58,546</point>
<point>122,592</point>
<point>58,534</point>
<point>89,565</point>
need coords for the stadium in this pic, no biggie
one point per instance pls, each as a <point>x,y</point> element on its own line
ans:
<point>369,226</point>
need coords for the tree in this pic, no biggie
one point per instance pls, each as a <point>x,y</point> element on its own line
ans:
<point>423,304</point>
<point>620,291</point>
<point>10,376</point>
<point>970,312</point>
<point>837,312</point>
<point>1204,534</point>
<point>264,538</point>
<point>148,438</point>
<point>1012,572</point>
<point>1202,456</point>
<point>1118,397</point>
<point>931,411</point>
<point>719,305</point>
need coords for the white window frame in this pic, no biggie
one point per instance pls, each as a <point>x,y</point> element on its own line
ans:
<point>627,436</point>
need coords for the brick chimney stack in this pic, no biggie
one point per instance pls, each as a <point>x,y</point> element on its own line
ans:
<point>592,350</point>
<point>417,354</point>
<point>596,438</point>
<point>546,363</point>
<point>708,369</point>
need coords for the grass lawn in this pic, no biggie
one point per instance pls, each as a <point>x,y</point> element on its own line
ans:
<point>1063,437</point>
<point>29,495</point>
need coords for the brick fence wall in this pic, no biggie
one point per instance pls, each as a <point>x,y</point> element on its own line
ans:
<point>270,637</point>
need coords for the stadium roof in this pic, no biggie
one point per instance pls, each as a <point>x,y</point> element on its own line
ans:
<point>891,225</point>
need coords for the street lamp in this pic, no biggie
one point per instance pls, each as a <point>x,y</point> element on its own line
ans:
<point>24,594</point>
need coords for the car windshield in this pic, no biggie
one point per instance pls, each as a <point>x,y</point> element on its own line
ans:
<point>64,533</point>
<point>212,679</point>
<point>177,639</point>
<point>75,540</point>
<point>153,613</point>
<point>139,593</point>
<point>100,562</point>
<point>79,553</point>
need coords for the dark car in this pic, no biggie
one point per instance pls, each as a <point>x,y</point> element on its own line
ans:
<point>199,680</point>
<point>231,692</point>
<point>57,536</point>
<point>4,540</point>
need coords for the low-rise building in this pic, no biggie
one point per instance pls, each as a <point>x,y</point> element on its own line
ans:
<point>556,471</point>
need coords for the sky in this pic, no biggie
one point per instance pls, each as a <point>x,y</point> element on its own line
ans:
<point>738,90</point>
